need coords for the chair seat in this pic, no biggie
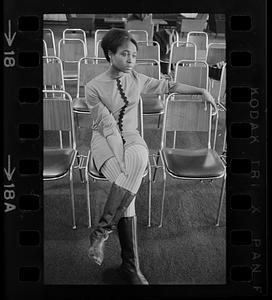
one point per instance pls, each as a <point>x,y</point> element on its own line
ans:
<point>202,163</point>
<point>79,105</point>
<point>152,105</point>
<point>56,162</point>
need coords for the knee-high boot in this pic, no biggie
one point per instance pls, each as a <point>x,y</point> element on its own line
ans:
<point>117,202</point>
<point>130,269</point>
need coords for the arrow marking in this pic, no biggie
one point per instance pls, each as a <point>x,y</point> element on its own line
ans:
<point>10,37</point>
<point>8,172</point>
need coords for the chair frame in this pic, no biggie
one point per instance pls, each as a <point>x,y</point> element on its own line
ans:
<point>73,76</point>
<point>49,59</point>
<point>166,171</point>
<point>191,33</point>
<point>176,45</point>
<point>51,33</point>
<point>98,177</point>
<point>96,39</point>
<point>75,31</point>
<point>72,145</point>
<point>45,50</point>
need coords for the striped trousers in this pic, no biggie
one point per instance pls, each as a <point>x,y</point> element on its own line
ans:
<point>136,157</point>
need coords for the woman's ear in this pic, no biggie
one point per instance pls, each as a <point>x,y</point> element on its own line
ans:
<point>110,54</point>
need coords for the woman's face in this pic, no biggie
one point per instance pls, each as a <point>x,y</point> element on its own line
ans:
<point>125,57</point>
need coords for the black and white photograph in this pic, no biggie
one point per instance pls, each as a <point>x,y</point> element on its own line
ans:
<point>134,149</point>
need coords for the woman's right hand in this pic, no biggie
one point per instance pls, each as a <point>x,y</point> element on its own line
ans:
<point>116,144</point>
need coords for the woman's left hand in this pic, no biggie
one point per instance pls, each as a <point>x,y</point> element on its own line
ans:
<point>207,95</point>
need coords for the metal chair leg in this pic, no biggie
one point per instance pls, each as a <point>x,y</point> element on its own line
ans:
<point>72,197</point>
<point>149,193</point>
<point>163,196</point>
<point>221,200</point>
<point>157,161</point>
<point>88,201</point>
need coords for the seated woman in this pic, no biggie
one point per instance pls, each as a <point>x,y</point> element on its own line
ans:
<point>119,151</point>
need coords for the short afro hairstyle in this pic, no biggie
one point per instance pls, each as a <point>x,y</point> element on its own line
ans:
<point>115,38</point>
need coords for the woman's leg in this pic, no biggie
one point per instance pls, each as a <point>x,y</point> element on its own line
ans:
<point>136,161</point>
<point>121,197</point>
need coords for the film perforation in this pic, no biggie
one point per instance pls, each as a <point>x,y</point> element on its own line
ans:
<point>29,238</point>
<point>241,59</point>
<point>28,23</point>
<point>28,59</point>
<point>29,131</point>
<point>241,23</point>
<point>29,274</point>
<point>29,95</point>
<point>29,202</point>
<point>29,167</point>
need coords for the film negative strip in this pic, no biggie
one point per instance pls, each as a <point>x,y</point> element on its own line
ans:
<point>247,214</point>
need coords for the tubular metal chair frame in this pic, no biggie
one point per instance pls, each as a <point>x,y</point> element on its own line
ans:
<point>213,111</point>
<point>73,76</point>
<point>189,62</point>
<point>96,38</point>
<point>66,97</point>
<point>149,45</point>
<point>191,33</point>
<point>99,176</point>
<point>176,45</point>
<point>49,31</point>
<point>74,31</point>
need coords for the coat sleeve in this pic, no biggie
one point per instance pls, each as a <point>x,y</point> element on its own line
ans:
<point>102,119</point>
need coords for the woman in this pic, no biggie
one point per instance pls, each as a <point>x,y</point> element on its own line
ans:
<point>119,151</point>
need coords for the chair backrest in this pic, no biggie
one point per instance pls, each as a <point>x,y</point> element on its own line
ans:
<point>58,114</point>
<point>180,51</point>
<point>98,35</point>
<point>216,53</point>
<point>149,67</point>
<point>187,115</point>
<point>148,50</point>
<point>139,35</point>
<point>71,50</point>
<point>192,72</point>
<point>74,33</point>
<point>89,68</point>
<point>53,73</point>
<point>45,50</point>
<point>48,36</point>
<point>200,38</point>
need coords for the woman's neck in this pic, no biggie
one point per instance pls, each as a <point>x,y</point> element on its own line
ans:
<point>114,72</point>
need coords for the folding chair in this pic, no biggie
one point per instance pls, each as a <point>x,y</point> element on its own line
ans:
<point>49,38</point>
<point>91,171</point>
<point>180,51</point>
<point>200,38</point>
<point>58,161</point>
<point>180,161</point>
<point>98,35</point>
<point>75,33</point>
<point>70,51</point>
<point>188,25</point>
<point>88,68</point>
<point>152,104</point>
<point>139,35</point>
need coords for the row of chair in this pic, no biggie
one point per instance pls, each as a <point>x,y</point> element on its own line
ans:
<point>181,114</point>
